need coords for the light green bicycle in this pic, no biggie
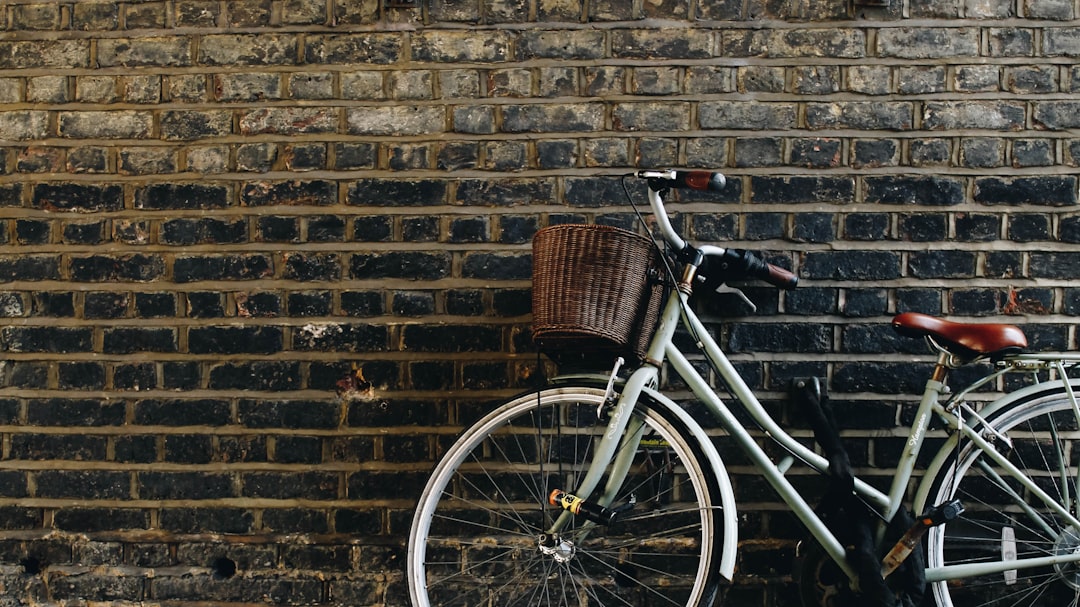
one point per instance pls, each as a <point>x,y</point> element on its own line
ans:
<point>602,491</point>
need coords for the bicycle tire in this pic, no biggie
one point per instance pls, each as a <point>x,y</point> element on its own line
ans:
<point>1045,435</point>
<point>474,536</point>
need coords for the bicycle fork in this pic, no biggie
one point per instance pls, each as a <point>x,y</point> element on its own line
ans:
<point>617,446</point>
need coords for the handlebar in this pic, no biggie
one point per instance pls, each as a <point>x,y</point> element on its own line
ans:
<point>726,263</point>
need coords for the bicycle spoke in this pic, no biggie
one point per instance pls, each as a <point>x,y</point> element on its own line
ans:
<point>489,501</point>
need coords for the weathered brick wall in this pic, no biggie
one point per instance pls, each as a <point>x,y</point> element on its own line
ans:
<point>211,212</point>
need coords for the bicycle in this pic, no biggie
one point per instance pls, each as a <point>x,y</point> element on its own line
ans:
<point>599,489</point>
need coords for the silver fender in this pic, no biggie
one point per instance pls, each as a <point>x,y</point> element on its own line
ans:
<point>730,518</point>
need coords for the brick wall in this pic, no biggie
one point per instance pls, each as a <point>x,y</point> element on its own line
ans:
<point>212,212</point>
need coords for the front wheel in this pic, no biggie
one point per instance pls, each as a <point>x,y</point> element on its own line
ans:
<point>479,536</point>
<point>1004,521</point>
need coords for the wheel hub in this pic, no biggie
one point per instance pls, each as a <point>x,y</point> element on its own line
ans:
<point>1068,544</point>
<point>561,550</point>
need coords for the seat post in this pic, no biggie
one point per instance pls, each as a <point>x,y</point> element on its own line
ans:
<point>941,370</point>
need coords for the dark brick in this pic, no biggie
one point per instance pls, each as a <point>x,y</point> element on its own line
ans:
<point>373,229</point>
<point>391,485</point>
<point>298,449</point>
<point>861,303</point>
<point>873,153</point>
<point>161,197</point>
<point>765,226</point>
<point>1059,265</point>
<point>46,339</point>
<point>113,268</point>
<point>16,517</point>
<point>1029,227</point>
<point>409,265</point>
<point>294,193</point>
<point>506,192</point>
<point>942,264</point>
<point>89,520</point>
<point>809,301</point>
<point>883,378</point>
<point>977,227</point>
<point>975,302</point>
<point>427,375</point>
<point>924,227</point>
<point>84,233</point>
<point>81,376</point>
<point>420,229</point>
<point>29,267</point>
<point>494,266</point>
<point>29,375</point>
<point>206,520</point>
<point>155,305</point>
<point>412,303</point>
<point>780,337</point>
<point>759,152</point>
<point>258,305</point>
<point>182,412</point>
<point>137,376</point>
<point>511,302</point>
<point>813,227</point>
<point>852,265</point>
<point>876,339</point>
<point>126,340</point>
<point>310,303</point>
<point>922,190</point>
<point>295,520</point>
<point>138,449</point>
<point>82,484</point>
<point>341,337</point>
<point>32,231</point>
<point>363,303</point>
<point>78,197</point>
<point>325,228</point>
<point>79,447</point>
<point>184,485</point>
<point>258,375</point>
<point>312,266</point>
<point>235,340</point>
<point>278,229</point>
<point>291,414</point>
<point>1004,264</point>
<point>286,485</point>
<point>105,305</point>
<point>926,301</point>
<point>866,226</point>
<point>204,230</point>
<point>1049,190</point>
<point>352,156</point>
<point>450,338</point>
<point>222,267</point>
<point>802,189</point>
<point>397,193</point>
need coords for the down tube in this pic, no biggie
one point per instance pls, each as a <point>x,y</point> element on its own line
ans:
<point>761,460</point>
<point>744,395</point>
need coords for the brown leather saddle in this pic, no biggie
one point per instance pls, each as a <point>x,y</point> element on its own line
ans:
<point>963,339</point>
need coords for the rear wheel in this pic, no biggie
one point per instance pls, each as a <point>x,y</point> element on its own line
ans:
<point>1005,521</point>
<point>478,536</point>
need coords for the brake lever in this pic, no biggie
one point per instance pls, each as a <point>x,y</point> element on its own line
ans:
<point>726,288</point>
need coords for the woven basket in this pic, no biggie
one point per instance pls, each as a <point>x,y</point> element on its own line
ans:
<point>592,296</point>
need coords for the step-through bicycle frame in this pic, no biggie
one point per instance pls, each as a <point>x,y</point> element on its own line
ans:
<point>935,401</point>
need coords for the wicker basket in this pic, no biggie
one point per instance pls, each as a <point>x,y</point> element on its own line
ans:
<point>593,298</point>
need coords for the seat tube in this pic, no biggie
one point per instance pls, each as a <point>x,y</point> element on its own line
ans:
<point>934,386</point>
